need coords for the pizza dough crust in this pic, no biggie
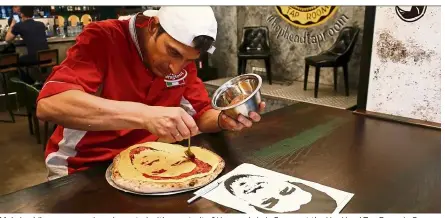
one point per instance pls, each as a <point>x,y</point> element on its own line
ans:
<point>125,175</point>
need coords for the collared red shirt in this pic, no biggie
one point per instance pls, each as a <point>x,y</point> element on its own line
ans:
<point>105,55</point>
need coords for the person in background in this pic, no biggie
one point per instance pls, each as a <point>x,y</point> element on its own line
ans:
<point>34,36</point>
<point>9,48</point>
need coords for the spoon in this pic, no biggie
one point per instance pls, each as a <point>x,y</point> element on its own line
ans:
<point>189,153</point>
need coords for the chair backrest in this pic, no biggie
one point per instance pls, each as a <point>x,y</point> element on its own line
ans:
<point>255,39</point>
<point>30,93</point>
<point>345,42</point>
<point>8,62</point>
<point>48,58</point>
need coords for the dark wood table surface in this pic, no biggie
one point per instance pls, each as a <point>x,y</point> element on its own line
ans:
<point>390,167</point>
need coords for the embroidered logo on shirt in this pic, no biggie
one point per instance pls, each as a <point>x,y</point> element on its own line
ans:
<point>175,79</point>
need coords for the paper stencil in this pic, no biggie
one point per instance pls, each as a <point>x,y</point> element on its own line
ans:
<point>251,189</point>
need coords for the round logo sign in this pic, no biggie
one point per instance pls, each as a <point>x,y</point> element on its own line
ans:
<point>410,14</point>
<point>306,16</point>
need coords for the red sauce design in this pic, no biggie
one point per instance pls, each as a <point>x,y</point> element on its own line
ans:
<point>149,163</point>
<point>181,162</point>
<point>138,150</point>
<point>201,167</point>
<point>159,171</point>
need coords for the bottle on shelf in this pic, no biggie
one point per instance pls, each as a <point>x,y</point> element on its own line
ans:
<point>41,13</point>
<point>8,10</point>
<point>65,27</point>
<point>1,33</point>
<point>3,12</point>
<point>49,30</point>
<point>56,26</point>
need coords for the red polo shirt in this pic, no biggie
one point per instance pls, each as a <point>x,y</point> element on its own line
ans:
<point>106,55</point>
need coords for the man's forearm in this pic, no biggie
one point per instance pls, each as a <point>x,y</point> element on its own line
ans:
<point>79,110</point>
<point>208,122</point>
<point>9,36</point>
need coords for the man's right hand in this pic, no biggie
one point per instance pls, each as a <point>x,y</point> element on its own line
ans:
<point>76,109</point>
<point>170,123</point>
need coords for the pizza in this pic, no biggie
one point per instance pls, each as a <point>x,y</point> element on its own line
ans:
<point>156,167</point>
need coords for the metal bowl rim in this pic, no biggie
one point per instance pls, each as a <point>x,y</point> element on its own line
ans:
<point>257,89</point>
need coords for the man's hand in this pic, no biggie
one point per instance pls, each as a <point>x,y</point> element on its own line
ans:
<point>170,124</point>
<point>242,122</point>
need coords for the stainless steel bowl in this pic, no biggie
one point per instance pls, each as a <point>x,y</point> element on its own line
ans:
<point>245,87</point>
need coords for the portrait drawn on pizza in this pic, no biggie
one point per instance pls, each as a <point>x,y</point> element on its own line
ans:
<point>269,195</point>
<point>155,163</point>
<point>155,167</point>
<point>410,13</point>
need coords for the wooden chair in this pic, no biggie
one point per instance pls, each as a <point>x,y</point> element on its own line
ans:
<point>8,64</point>
<point>336,56</point>
<point>45,59</point>
<point>30,94</point>
<point>48,58</point>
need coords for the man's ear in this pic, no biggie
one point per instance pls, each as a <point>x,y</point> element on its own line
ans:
<point>153,26</point>
<point>150,22</point>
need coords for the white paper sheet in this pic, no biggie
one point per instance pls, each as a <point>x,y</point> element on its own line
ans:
<point>252,189</point>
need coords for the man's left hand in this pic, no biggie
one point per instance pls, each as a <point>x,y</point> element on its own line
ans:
<point>227,123</point>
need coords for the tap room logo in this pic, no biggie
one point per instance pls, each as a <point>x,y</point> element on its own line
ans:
<point>306,16</point>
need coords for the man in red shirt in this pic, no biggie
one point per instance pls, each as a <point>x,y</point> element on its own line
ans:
<point>131,81</point>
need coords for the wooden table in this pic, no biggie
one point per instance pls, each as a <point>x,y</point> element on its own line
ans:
<point>389,167</point>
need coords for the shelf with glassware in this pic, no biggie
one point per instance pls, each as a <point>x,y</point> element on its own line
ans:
<point>70,20</point>
<point>54,27</point>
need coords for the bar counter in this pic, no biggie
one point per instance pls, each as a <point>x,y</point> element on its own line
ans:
<point>62,44</point>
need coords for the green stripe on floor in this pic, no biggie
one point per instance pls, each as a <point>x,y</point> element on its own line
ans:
<point>299,141</point>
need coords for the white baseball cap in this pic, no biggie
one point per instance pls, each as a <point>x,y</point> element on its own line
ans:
<point>150,13</point>
<point>184,23</point>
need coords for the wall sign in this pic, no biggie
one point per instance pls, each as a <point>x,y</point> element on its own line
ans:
<point>306,16</point>
<point>411,15</point>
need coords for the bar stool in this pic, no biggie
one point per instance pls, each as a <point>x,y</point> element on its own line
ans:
<point>48,58</point>
<point>45,59</point>
<point>8,64</point>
